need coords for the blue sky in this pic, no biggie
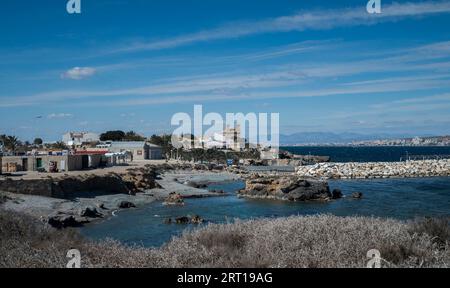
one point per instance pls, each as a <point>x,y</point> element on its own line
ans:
<point>325,66</point>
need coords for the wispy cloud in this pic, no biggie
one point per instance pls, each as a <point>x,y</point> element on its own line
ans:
<point>59,115</point>
<point>430,74</point>
<point>78,73</point>
<point>444,97</point>
<point>318,20</point>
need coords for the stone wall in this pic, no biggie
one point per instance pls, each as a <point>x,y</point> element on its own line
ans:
<point>134,180</point>
<point>357,170</point>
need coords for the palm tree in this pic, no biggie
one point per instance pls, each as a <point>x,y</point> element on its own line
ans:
<point>11,143</point>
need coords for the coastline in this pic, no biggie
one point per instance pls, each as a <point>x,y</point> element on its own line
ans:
<point>187,180</point>
<point>44,207</point>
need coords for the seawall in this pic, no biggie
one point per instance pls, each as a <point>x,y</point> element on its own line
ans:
<point>366,170</point>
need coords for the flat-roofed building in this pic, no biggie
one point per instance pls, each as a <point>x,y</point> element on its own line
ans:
<point>140,150</point>
<point>78,138</point>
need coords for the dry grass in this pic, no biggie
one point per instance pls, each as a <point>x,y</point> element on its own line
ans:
<point>312,241</point>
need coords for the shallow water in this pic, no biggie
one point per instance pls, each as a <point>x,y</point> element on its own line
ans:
<point>396,198</point>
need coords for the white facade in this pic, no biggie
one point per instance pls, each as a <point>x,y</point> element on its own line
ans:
<point>78,138</point>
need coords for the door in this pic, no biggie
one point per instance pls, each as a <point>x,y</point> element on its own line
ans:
<point>39,163</point>
<point>24,164</point>
<point>85,162</point>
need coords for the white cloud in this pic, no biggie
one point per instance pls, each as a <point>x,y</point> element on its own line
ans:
<point>78,73</point>
<point>59,115</point>
<point>229,85</point>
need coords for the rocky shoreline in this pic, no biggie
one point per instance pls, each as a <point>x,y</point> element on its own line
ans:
<point>370,170</point>
<point>75,200</point>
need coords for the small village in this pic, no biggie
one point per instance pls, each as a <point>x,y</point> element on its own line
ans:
<point>86,151</point>
<point>76,151</point>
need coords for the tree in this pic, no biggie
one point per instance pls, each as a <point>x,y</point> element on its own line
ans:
<point>10,142</point>
<point>165,141</point>
<point>116,135</point>
<point>38,141</point>
<point>133,136</point>
<point>59,146</point>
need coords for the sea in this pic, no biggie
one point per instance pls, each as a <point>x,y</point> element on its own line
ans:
<point>403,199</point>
<point>370,153</point>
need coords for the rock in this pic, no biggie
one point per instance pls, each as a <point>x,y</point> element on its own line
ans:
<point>194,184</point>
<point>351,170</point>
<point>191,184</point>
<point>196,219</point>
<point>218,191</point>
<point>126,204</point>
<point>102,206</point>
<point>336,194</point>
<point>182,220</point>
<point>90,212</point>
<point>60,220</point>
<point>292,188</point>
<point>174,199</point>
<point>357,195</point>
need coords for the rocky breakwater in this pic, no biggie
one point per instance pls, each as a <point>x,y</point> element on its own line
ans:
<point>366,170</point>
<point>291,188</point>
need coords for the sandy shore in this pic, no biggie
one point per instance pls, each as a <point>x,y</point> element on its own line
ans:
<point>173,181</point>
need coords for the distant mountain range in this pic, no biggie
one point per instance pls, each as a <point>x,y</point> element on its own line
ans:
<point>336,138</point>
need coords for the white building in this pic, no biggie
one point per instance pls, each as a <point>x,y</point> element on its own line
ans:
<point>78,138</point>
<point>230,138</point>
<point>140,150</point>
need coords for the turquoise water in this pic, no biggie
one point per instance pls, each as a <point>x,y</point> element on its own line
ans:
<point>366,154</point>
<point>396,198</point>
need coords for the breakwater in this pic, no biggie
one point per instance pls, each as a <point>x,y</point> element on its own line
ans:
<point>366,170</point>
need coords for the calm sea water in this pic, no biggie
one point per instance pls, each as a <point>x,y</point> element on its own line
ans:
<point>396,198</point>
<point>362,154</point>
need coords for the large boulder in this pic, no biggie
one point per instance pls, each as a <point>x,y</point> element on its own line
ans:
<point>292,188</point>
<point>336,194</point>
<point>60,220</point>
<point>126,204</point>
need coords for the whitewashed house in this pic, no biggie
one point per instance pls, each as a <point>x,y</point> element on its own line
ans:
<point>78,138</point>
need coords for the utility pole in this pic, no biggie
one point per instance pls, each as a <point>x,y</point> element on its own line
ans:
<point>1,154</point>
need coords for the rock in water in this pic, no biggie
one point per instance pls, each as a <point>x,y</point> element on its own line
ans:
<point>357,195</point>
<point>336,194</point>
<point>292,188</point>
<point>196,219</point>
<point>126,204</point>
<point>182,220</point>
